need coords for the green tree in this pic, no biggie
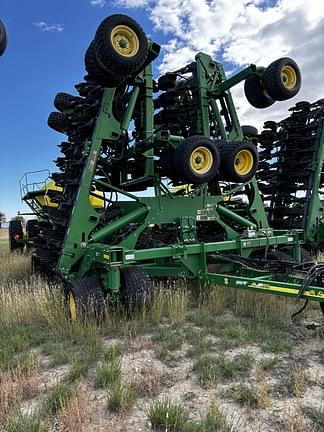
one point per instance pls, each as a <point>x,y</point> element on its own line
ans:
<point>2,218</point>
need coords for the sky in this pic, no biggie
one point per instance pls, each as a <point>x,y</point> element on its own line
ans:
<point>47,41</point>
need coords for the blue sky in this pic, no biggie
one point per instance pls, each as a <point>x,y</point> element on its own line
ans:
<point>37,65</point>
<point>48,38</point>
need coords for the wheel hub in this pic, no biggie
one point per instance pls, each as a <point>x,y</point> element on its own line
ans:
<point>125,41</point>
<point>243,162</point>
<point>288,77</point>
<point>201,160</point>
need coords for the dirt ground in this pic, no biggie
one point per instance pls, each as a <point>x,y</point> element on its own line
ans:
<point>238,350</point>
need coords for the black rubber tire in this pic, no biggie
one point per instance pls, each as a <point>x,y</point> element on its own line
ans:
<point>64,101</point>
<point>15,229</point>
<point>3,39</point>
<point>167,81</point>
<point>182,156</point>
<point>58,121</point>
<point>255,93</point>
<point>250,131</point>
<point>97,73</point>
<point>88,296</point>
<point>136,289</point>
<point>228,153</point>
<point>106,54</point>
<point>272,79</point>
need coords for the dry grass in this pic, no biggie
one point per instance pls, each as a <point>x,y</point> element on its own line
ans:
<point>29,300</point>
<point>299,380</point>
<point>76,415</point>
<point>171,301</point>
<point>149,382</point>
<point>33,319</point>
<point>17,385</point>
<point>295,422</point>
<point>273,310</point>
<point>252,395</point>
<point>14,267</point>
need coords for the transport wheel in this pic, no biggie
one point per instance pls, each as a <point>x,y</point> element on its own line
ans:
<point>65,101</point>
<point>196,160</point>
<point>3,39</point>
<point>136,288</point>
<point>250,131</point>
<point>85,298</point>
<point>256,94</point>
<point>97,72</point>
<point>282,79</point>
<point>167,81</point>
<point>58,121</point>
<point>121,45</point>
<point>16,234</point>
<point>239,161</point>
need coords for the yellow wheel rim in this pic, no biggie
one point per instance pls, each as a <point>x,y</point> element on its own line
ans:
<point>288,77</point>
<point>244,162</point>
<point>72,307</point>
<point>201,160</point>
<point>125,41</point>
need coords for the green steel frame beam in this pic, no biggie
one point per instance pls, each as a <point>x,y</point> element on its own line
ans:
<point>87,250</point>
<point>315,212</point>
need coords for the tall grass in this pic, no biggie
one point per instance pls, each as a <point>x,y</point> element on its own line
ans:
<point>265,308</point>
<point>14,266</point>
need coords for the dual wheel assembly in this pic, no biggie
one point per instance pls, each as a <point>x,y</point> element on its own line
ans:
<point>198,160</point>
<point>118,51</point>
<point>281,80</point>
<point>85,297</point>
<point>17,238</point>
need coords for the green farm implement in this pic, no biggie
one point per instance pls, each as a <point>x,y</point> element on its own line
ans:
<point>290,173</point>
<point>34,186</point>
<point>176,174</point>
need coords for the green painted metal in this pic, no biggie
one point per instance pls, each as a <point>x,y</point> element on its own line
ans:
<point>102,243</point>
<point>315,212</point>
<point>118,224</point>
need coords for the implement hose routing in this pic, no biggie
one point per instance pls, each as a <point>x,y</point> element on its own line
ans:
<point>315,272</point>
<point>312,270</point>
<point>300,310</point>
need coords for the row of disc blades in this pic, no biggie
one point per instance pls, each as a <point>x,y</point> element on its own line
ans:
<point>288,151</point>
<point>79,125</point>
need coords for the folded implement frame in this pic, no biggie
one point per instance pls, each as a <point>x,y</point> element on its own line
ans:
<point>200,213</point>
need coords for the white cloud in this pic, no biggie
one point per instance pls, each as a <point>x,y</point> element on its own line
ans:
<point>243,32</point>
<point>99,3</point>
<point>45,27</point>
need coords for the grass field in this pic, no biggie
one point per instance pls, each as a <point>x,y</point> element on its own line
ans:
<point>3,239</point>
<point>203,359</point>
